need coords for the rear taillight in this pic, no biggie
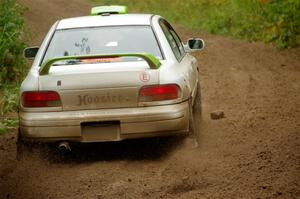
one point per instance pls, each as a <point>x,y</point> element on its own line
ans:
<point>159,92</point>
<point>40,99</point>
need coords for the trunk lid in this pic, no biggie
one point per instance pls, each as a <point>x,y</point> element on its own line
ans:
<point>98,86</point>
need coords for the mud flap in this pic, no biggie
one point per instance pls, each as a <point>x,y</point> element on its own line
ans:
<point>195,117</point>
<point>20,145</point>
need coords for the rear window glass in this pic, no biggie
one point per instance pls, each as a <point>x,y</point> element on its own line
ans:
<point>103,40</point>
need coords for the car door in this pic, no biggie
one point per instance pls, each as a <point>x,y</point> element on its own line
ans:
<point>187,62</point>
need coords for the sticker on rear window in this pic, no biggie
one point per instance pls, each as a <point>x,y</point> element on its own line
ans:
<point>112,44</point>
<point>101,60</point>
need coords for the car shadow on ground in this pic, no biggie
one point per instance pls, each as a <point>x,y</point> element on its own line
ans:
<point>137,149</point>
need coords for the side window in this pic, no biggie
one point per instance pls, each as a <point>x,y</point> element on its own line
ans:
<point>173,39</point>
<point>178,42</point>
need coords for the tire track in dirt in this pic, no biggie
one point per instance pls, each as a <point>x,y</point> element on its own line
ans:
<point>252,153</point>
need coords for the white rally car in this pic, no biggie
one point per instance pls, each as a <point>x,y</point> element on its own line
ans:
<point>108,77</point>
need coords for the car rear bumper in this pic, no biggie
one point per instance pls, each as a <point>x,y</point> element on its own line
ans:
<point>105,124</point>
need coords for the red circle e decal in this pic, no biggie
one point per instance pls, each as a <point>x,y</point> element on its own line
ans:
<point>144,77</point>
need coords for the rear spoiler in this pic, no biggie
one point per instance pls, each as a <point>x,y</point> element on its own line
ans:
<point>152,61</point>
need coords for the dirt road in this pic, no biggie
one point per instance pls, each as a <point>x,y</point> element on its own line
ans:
<point>252,153</point>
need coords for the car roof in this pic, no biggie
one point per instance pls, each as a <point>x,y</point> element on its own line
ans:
<point>105,20</point>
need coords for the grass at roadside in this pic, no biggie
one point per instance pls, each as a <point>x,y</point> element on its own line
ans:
<point>9,95</point>
<point>11,42</point>
<point>271,21</point>
<point>7,125</point>
<point>12,64</point>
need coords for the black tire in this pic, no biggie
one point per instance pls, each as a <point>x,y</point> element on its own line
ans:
<point>21,146</point>
<point>25,148</point>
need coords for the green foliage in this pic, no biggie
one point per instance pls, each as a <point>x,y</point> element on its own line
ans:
<point>11,43</point>
<point>275,21</point>
<point>9,95</point>
<point>12,65</point>
<point>282,23</point>
<point>7,125</point>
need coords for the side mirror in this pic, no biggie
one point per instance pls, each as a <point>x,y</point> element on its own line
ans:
<point>194,45</point>
<point>30,53</point>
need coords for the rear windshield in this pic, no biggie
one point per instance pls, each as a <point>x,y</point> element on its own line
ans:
<point>103,40</point>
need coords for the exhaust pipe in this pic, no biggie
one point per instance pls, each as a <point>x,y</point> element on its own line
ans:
<point>64,146</point>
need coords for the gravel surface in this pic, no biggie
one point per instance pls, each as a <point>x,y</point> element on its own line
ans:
<point>253,152</point>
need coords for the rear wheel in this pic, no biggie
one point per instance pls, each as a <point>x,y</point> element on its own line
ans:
<point>25,148</point>
<point>21,146</point>
<point>195,113</point>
